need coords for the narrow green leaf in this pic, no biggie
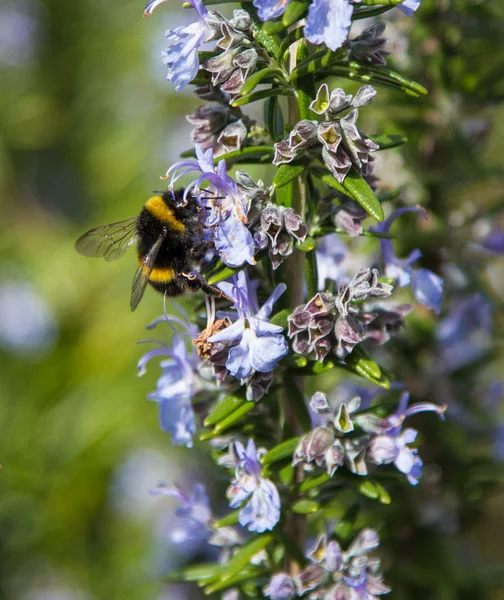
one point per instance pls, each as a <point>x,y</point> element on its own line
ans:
<point>272,27</point>
<point>223,409</point>
<point>367,12</point>
<point>354,364</point>
<point>228,520</point>
<point>285,197</point>
<point>236,416</point>
<point>384,497</point>
<point>390,3</point>
<point>245,553</point>
<point>273,118</point>
<point>283,450</point>
<point>315,367</point>
<point>367,488</point>
<point>305,507</point>
<point>364,360</point>
<point>320,60</point>
<point>363,77</point>
<point>360,190</point>
<point>255,79</point>
<point>312,482</point>
<point>345,527</point>
<point>225,273</point>
<point>392,75</point>
<point>375,491</point>
<point>329,180</point>
<point>311,272</point>
<point>297,402</point>
<point>195,572</point>
<point>237,579</point>
<point>280,318</point>
<point>289,39</point>
<point>261,95</point>
<point>267,41</point>
<point>305,85</point>
<point>294,362</point>
<point>287,173</point>
<point>307,246</point>
<point>295,10</point>
<point>386,141</point>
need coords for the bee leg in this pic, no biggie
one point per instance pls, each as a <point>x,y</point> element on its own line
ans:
<point>198,282</point>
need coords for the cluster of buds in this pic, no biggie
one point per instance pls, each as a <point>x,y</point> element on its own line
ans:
<point>334,573</point>
<point>369,46</point>
<point>218,128</point>
<point>349,216</point>
<point>337,323</point>
<point>279,228</point>
<point>239,58</point>
<point>343,145</point>
<point>380,441</point>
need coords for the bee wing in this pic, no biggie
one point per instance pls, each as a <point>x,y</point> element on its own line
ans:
<point>141,278</point>
<point>110,241</point>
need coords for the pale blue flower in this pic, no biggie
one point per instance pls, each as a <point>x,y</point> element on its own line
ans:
<point>331,252</point>
<point>259,344</point>
<point>226,208</point>
<point>27,324</point>
<point>392,444</point>
<point>262,511</point>
<point>270,9</point>
<point>409,7</point>
<point>194,515</point>
<point>329,22</point>
<point>175,388</point>
<point>464,335</point>
<point>181,56</point>
<point>427,286</point>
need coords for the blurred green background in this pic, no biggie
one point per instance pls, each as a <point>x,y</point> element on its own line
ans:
<point>87,126</point>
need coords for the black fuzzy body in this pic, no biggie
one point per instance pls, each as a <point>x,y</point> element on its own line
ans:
<point>176,251</point>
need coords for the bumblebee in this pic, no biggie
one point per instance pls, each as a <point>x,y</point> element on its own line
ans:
<point>164,233</point>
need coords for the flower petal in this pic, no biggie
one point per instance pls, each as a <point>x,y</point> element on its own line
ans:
<point>329,22</point>
<point>428,288</point>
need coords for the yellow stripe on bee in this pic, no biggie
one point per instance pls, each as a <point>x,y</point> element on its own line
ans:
<point>161,275</point>
<point>157,207</point>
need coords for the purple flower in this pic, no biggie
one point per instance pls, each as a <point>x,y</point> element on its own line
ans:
<point>409,7</point>
<point>259,344</point>
<point>494,242</point>
<point>281,587</point>
<point>181,56</point>
<point>427,286</point>
<point>27,324</point>
<point>262,511</point>
<point>491,244</point>
<point>464,335</point>
<point>227,209</point>
<point>270,9</point>
<point>391,444</point>
<point>194,516</point>
<point>331,253</point>
<point>329,22</point>
<point>175,388</point>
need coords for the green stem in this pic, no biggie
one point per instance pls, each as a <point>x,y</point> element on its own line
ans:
<point>295,279</point>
